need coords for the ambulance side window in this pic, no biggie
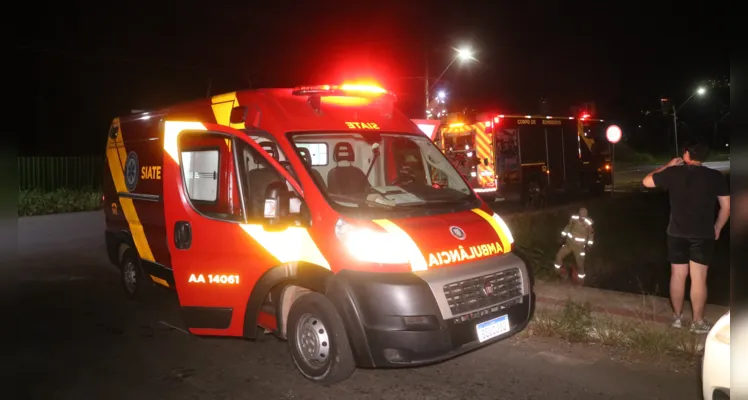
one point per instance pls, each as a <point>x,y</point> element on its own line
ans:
<point>209,176</point>
<point>201,174</point>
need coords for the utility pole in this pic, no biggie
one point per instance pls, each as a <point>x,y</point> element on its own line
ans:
<point>426,82</point>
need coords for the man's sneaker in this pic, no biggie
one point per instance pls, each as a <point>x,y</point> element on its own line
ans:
<point>700,327</point>
<point>677,321</point>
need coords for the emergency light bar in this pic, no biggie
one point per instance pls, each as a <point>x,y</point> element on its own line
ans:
<point>341,94</point>
<point>342,90</point>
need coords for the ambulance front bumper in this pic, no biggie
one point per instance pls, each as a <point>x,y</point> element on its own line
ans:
<point>408,319</point>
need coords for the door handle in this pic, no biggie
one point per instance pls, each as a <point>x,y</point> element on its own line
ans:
<point>182,235</point>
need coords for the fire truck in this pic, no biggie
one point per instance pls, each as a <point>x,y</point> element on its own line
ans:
<point>311,213</point>
<point>508,153</point>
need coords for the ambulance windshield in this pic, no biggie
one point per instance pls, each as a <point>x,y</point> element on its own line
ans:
<point>381,170</point>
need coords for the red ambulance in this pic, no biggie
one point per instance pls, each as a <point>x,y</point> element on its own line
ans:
<point>311,213</point>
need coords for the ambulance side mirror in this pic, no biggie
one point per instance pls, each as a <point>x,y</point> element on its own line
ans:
<point>238,114</point>
<point>277,202</point>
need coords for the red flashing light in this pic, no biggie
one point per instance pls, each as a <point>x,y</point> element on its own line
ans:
<point>346,89</point>
<point>496,120</point>
<point>584,116</point>
<point>488,123</point>
<point>352,87</point>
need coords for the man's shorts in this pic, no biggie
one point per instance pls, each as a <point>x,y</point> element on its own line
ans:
<point>683,250</point>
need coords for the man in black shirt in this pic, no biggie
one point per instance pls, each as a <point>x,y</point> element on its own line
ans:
<point>694,190</point>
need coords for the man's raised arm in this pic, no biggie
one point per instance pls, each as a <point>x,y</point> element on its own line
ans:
<point>649,180</point>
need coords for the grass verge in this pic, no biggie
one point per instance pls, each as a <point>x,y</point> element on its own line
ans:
<point>36,202</point>
<point>575,322</point>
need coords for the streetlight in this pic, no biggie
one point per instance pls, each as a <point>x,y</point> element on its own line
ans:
<point>700,91</point>
<point>463,54</point>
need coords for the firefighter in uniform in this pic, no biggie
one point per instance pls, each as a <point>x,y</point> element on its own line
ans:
<point>577,238</point>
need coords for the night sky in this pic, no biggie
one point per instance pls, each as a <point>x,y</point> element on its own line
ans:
<point>85,65</point>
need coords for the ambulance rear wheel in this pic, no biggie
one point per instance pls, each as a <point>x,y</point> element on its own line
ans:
<point>317,340</point>
<point>133,279</point>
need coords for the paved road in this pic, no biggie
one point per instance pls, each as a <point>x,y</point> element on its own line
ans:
<point>634,174</point>
<point>69,333</point>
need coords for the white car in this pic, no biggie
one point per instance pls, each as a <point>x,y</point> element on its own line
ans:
<point>715,368</point>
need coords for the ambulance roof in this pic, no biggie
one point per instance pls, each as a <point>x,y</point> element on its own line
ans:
<point>311,108</point>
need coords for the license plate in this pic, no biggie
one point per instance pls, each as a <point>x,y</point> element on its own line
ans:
<point>492,328</point>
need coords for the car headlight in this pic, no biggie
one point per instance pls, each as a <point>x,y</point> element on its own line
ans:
<point>371,246</point>
<point>722,329</point>
<point>504,227</point>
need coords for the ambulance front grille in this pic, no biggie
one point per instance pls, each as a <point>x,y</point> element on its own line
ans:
<point>483,291</point>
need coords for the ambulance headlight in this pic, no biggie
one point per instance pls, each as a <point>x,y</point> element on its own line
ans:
<point>371,246</point>
<point>504,227</point>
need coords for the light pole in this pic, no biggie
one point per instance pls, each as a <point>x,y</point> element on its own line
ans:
<point>700,91</point>
<point>463,54</point>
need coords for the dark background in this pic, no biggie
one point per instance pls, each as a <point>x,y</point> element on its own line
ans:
<point>84,63</point>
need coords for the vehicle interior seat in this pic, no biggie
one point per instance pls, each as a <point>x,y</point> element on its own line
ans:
<point>346,180</point>
<point>307,157</point>
<point>259,178</point>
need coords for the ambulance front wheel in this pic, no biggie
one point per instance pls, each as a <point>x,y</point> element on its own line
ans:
<point>318,341</point>
<point>133,280</point>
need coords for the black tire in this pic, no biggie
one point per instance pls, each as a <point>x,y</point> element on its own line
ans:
<point>136,284</point>
<point>310,311</point>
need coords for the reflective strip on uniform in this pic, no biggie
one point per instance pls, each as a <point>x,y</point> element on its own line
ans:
<point>581,276</point>
<point>579,239</point>
<point>575,217</point>
<point>588,221</point>
<point>589,242</point>
<point>582,254</point>
<point>557,266</point>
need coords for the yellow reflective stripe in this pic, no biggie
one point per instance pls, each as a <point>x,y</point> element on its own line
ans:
<point>171,131</point>
<point>222,105</point>
<point>116,156</point>
<point>416,258</point>
<point>496,227</point>
<point>159,281</point>
<point>289,245</point>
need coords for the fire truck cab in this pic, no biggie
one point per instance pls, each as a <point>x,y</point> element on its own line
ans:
<point>467,140</point>
<point>505,155</point>
<point>311,213</point>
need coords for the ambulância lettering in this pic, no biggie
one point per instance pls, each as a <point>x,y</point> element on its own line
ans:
<point>461,254</point>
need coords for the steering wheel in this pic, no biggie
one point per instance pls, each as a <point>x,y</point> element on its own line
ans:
<point>404,177</point>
